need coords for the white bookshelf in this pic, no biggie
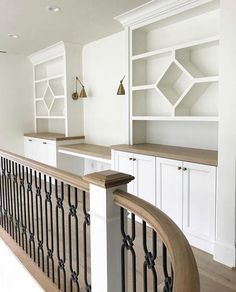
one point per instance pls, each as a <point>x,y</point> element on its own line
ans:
<point>174,71</point>
<point>55,69</point>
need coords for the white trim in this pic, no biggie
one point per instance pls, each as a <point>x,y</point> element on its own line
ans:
<point>158,9</point>
<point>224,254</point>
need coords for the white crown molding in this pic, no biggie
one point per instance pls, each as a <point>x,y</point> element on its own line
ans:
<point>47,53</point>
<point>155,8</point>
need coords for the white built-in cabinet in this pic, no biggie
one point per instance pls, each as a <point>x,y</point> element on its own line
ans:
<point>54,72</point>
<point>46,151</point>
<point>185,191</point>
<point>56,114</point>
<point>142,167</point>
<point>173,68</point>
<point>40,150</point>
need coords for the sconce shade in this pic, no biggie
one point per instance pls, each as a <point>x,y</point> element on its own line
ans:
<point>121,89</point>
<point>83,93</point>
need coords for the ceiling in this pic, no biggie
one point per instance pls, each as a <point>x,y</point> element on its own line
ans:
<point>79,21</point>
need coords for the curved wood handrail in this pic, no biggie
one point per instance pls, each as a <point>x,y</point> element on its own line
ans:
<point>66,177</point>
<point>186,276</point>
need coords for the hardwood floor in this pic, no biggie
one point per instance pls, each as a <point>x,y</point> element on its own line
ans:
<point>214,276</point>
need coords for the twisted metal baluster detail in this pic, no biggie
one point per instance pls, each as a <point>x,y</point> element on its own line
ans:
<point>49,226</point>
<point>39,219</point>
<point>168,280</point>
<point>4,193</point>
<point>16,202</point>
<point>23,208</point>
<point>60,234</point>
<point>1,196</point>
<point>30,204</point>
<point>73,215</point>
<point>85,225</point>
<point>128,243</point>
<point>10,199</point>
<point>150,257</point>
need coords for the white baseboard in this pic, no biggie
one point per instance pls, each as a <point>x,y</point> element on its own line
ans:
<point>224,254</point>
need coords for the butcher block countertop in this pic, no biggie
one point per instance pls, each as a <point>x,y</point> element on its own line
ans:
<point>202,156</point>
<point>52,136</point>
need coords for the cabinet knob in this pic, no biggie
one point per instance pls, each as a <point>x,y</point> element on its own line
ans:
<point>179,167</point>
<point>130,158</point>
<point>44,142</point>
<point>30,140</point>
<point>134,159</point>
<point>184,169</point>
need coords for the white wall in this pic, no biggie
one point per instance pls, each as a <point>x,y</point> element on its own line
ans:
<point>225,238</point>
<point>16,101</point>
<point>105,113</point>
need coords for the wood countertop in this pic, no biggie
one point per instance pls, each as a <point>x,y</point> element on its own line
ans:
<point>202,156</point>
<point>52,136</point>
<point>97,152</point>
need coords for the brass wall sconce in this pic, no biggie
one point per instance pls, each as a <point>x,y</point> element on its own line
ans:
<point>121,90</point>
<point>82,94</point>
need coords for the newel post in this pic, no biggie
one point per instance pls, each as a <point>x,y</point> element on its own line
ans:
<point>106,237</point>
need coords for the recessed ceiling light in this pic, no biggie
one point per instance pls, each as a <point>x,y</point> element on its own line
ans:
<point>53,8</point>
<point>14,36</point>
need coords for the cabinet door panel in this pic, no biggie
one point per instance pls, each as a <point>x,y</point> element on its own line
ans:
<point>199,203</point>
<point>145,179</point>
<point>124,163</point>
<point>52,154</point>
<point>169,188</point>
<point>28,147</point>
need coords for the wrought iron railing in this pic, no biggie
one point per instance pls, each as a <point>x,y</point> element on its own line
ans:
<point>166,260</point>
<point>45,213</point>
<point>44,209</point>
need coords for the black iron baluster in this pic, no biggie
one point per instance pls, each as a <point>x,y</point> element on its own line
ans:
<point>86,223</point>
<point>168,280</point>
<point>39,219</point>
<point>1,194</point>
<point>4,193</point>
<point>10,198</point>
<point>60,235</point>
<point>73,215</point>
<point>127,245</point>
<point>23,208</point>
<point>150,257</point>
<point>30,211</point>
<point>16,202</point>
<point>49,226</point>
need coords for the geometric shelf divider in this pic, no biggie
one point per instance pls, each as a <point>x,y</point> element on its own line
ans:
<point>174,82</point>
<point>48,97</point>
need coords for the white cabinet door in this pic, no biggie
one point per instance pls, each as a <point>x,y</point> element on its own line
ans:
<point>52,154</point>
<point>145,180</point>
<point>124,163</point>
<point>40,150</point>
<point>199,204</point>
<point>169,188</point>
<point>28,147</point>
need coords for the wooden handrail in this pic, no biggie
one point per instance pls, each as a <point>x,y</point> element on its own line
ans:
<point>66,177</point>
<point>186,276</point>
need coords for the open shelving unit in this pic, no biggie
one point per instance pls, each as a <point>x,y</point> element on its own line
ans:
<point>174,73</point>
<point>54,69</point>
